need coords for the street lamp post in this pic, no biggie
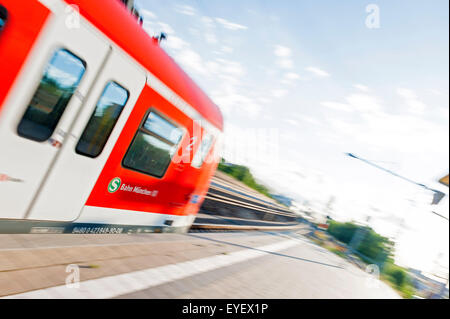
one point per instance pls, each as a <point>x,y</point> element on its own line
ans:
<point>437,195</point>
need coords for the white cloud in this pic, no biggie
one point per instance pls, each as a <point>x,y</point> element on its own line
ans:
<point>166,28</point>
<point>149,27</point>
<point>364,103</point>
<point>153,28</point>
<point>343,127</point>
<point>183,54</point>
<point>337,106</point>
<point>263,100</point>
<point>278,93</point>
<point>230,99</point>
<point>285,63</point>
<point>310,120</point>
<point>282,51</point>
<point>191,60</point>
<point>444,112</point>
<point>413,135</point>
<point>228,92</point>
<point>230,25</point>
<point>231,68</point>
<point>291,76</point>
<point>210,38</point>
<point>175,43</point>
<point>147,14</point>
<point>208,22</point>
<point>389,132</point>
<point>226,49</point>
<point>406,93</point>
<point>435,91</point>
<point>292,122</point>
<point>318,72</point>
<point>209,30</point>
<point>415,106</point>
<point>283,55</point>
<point>361,87</point>
<point>185,9</point>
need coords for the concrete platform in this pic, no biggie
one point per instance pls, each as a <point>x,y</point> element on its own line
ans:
<point>200,265</point>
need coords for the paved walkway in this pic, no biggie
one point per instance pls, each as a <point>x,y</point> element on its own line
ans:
<point>200,265</point>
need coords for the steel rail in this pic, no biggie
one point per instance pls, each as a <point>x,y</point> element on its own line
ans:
<point>240,196</point>
<point>245,205</point>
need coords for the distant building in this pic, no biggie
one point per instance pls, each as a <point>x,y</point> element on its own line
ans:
<point>432,288</point>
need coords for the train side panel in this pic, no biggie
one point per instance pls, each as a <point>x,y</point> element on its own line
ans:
<point>152,167</point>
<point>48,92</point>
<point>179,192</point>
<point>21,31</point>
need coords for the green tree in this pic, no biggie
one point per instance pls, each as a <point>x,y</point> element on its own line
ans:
<point>243,174</point>
<point>372,247</point>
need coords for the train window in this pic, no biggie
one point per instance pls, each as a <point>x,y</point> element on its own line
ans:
<point>102,121</point>
<point>60,80</point>
<point>202,151</point>
<point>153,146</point>
<point>3,16</point>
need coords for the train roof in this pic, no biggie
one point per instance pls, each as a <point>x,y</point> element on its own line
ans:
<point>112,19</point>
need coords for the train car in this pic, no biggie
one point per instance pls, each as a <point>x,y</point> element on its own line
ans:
<point>100,130</point>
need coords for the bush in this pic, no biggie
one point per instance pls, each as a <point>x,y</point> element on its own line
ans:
<point>372,247</point>
<point>242,173</point>
<point>399,278</point>
<point>343,232</point>
<point>396,274</point>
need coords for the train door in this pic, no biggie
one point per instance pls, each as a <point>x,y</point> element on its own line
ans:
<point>90,141</point>
<point>41,107</point>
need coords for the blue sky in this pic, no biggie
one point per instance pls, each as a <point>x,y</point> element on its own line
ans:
<point>308,81</point>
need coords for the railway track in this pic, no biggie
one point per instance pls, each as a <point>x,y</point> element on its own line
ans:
<point>221,228</point>
<point>231,206</point>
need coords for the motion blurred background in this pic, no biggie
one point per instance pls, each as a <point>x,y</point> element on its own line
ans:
<point>320,80</point>
<point>339,112</point>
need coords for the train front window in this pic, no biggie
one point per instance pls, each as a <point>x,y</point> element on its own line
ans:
<point>155,143</point>
<point>103,120</point>
<point>3,17</point>
<point>60,80</point>
<point>202,151</point>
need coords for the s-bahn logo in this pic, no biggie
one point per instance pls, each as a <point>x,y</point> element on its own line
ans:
<point>114,185</point>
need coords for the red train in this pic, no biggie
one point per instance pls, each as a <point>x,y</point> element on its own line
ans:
<point>100,130</point>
